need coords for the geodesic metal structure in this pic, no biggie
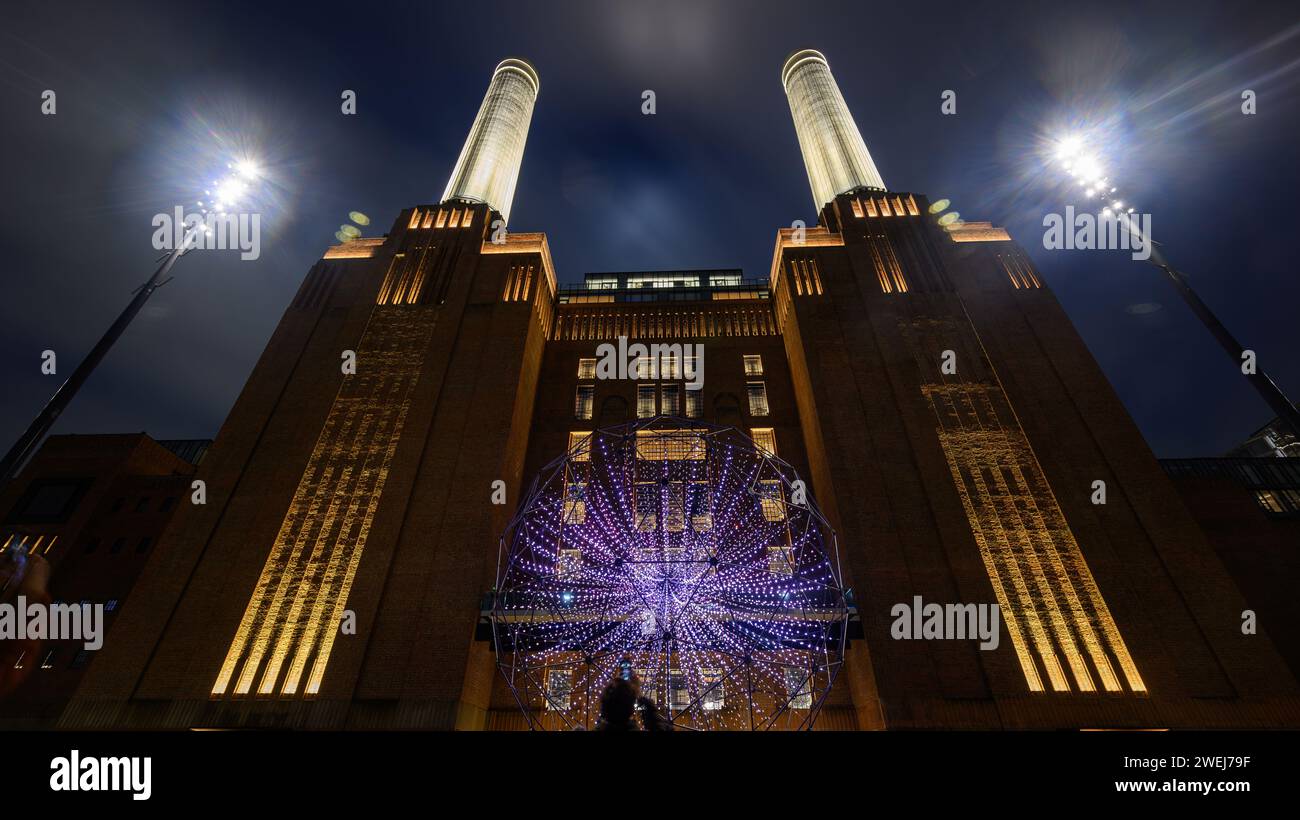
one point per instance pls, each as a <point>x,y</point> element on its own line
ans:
<point>687,549</point>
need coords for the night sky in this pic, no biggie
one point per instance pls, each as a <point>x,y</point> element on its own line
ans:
<point>151,97</point>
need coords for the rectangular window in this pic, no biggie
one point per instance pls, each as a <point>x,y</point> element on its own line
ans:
<point>772,500</point>
<point>753,365</point>
<point>575,503</point>
<point>765,439</point>
<point>672,399</point>
<point>647,507</point>
<point>798,684</point>
<point>1269,501</point>
<point>757,398</point>
<point>645,401</point>
<point>643,367</point>
<point>143,547</point>
<point>681,693</point>
<point>586,368</point>
<point>584,401</point>
<point>580,445</point>
<point>670,445</point>
<point>694,403</point>
<point>778,561</point>
<point>715,696</point>
<point>559,686</point>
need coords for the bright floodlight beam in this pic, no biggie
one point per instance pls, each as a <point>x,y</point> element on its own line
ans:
<point>229,191</point>
<point>40,426</point>
<point>1072,153</point>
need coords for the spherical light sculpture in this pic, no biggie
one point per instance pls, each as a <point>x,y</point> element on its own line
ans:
<point>687,549</point>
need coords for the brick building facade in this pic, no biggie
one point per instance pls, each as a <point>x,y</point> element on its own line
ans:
<point>951,423</point>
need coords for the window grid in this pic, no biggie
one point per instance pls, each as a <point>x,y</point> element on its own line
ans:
<point>672,399</point>
<point>694,403</point>
<point>764,438</point>
<point>645,401</point>
<point>580,445</point>
<point>584,401</point>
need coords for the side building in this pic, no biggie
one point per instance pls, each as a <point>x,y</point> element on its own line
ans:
<point>78,526</point>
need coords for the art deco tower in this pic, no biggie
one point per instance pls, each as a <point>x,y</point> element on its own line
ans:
<point>488,167</point>
<point>833,151</point>
<point>350,481</point>
<point>969,434</point>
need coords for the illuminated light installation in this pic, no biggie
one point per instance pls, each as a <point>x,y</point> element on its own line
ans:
<point>488,167</point>
<point>833,151</point>
<point>680,546</point>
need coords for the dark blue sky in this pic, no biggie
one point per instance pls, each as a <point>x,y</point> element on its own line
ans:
<point>149,94</point>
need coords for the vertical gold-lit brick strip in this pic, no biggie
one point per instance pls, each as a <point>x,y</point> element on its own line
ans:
<point>374,458</point>
<point>1079,577</point>
<point>300,529</point>
<point>386,289</point>
<point>1060,551</point>
<point>1018,549</point>
<point>304,585</point>
<point>1006,544</point>
<point>1000,561</point>
<point>1046,529</point>
<point>303,517</point>
<point>324,539</point>
<point>994,449</point>
<point>328,609</point>
<point>288,540</point>
<point>1038,572</point>
<point>1038,599</point>
<point>384,397</point>
<point>1049,529</point>
<point>999,585</point>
